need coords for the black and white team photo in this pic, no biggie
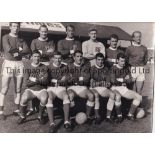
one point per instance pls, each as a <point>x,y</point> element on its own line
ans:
<point>73,77</point>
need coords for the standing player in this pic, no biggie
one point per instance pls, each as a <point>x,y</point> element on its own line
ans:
<point>79,82</point>
<point>100,82</point>
<point>57,88</point>
<point>120,77</point>
<point>37,80</point>
<point>46,47</point>
<point>14,48</point>
<point>68,45</point>
<point>137,57</point>
<point>91,47</point>
<point>112,51</point>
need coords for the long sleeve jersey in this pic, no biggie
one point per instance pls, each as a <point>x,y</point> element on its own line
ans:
<point>100,76</point>
<point>65,46</point>
<point>43,46</point>
<point>118,75</point>
<point>79,74</point>
<point>14,45</point>
<point>137,55</point>
<point>90,48</point>
<point>57,73</point>
<point>37,77</point>
<point>111,56</point>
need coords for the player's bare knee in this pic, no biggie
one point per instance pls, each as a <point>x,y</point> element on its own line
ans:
<point>117,97</point>
<point>112,95</point>
<point>44,100</point>
<point>138,97</point>
<point>91,96</point>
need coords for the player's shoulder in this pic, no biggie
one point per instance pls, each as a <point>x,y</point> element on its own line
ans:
<point>85,42</point>
<point>144,47</point>
<point>6,36</point>
<point>61,41</point>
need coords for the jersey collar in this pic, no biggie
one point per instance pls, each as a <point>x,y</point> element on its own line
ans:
<point>32,64</point>
<point>77,65</point>
<point>41,39</point>
<point>113,49</point>
<point>135,44</point>
<point>98,66</point>
<point>69,38</point>
<point>13,35</point>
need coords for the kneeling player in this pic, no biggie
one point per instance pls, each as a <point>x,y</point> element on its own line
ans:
<point>100,82</point>
<point>58,78</point>
<point>37,80</point>
<point>120,76</point>
<point>79,82</point>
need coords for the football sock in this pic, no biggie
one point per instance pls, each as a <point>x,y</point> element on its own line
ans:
<point>23,110</point>
<point>66,108</point>
<point>132,109</point>
<point>108,113</point>
<point>118,110</point>
<point>17,99</point>
<point>88,110</point>
<point>41,109</point>
<point>50,114</point>
<point>97,113</point>
<point>2,100</point>
<point>110,104</point>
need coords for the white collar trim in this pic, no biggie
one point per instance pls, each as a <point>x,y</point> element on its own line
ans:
<point>42,39</point>
<point>135,44</point>
<point>114,49</point>
<point>98,66</point>
<point>118,66</point>
<point>35,65</point>
<point>13,35</point>
<point>77,65</point>
<point>56,65</point>
<point>69,38</point>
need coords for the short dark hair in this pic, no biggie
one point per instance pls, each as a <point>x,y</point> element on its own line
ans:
<point>77,51</point>
<point>92,29</point>
<point>99,55</point>
<point>133,34</point>
<point>121,55</point>
<point>57,53</point>
<point>44,26</point>
<point>10,24</point>
<point>114,36</point>
<point>36,52</point>
<point>72,26</point>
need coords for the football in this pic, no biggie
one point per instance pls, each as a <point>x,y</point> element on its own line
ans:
<point>81,118</point>
<point>140,113</point>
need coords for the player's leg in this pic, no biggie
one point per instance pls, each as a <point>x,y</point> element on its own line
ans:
<point>26,96</point>
<point>97,106</point>
<point>71,95</point>
<point>43,98</point>
<point>18,81</point>
<point>118,106</point>
<point>90,103</point>
<point>63,95</point>
<point>110,105</point>
<point>139,86</point>
<point>136,102</point>
<point>5,86</point>
<point>49,106</point>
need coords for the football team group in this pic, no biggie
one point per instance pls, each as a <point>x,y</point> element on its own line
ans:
<point>70,70</point>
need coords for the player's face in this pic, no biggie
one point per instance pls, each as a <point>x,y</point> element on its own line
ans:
<point>121,62</point>
<point>57,60</point>
<point>93,35</point>
<point>99,61</point>
<point>36,58</point>
<point>70,32</point>
<point>137,38</point>
<point>78,58</point>
<point>113,42</point>
<point>43,32</point>
<point>14,28</point>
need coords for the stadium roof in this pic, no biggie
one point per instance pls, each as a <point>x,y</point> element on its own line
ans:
<point>82,29</point>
